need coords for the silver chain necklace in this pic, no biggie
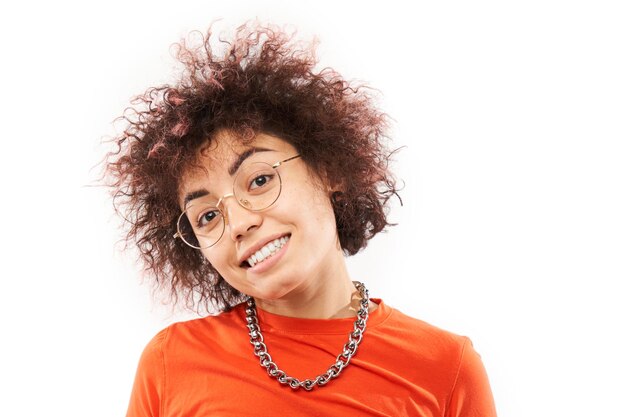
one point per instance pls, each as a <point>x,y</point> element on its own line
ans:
<point>343,359</point>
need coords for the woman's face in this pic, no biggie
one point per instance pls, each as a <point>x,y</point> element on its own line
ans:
<point>301,223</point>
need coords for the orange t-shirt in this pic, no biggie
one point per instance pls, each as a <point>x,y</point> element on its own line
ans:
<point>403,367</point>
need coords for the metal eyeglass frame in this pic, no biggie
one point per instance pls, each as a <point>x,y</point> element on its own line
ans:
<point>275,166</point>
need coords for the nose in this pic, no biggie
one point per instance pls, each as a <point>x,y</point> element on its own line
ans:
<point>238,219</point>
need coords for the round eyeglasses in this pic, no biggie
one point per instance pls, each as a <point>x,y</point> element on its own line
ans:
<point>256,187</point>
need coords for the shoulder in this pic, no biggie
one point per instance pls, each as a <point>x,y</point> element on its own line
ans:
<point>195,333</point>
<point>173,354</point>
<point>425,346</point>
<point>452,366</point>
<point>421,333</point>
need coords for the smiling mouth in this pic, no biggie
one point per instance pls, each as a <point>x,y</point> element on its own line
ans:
<point>265,252</point>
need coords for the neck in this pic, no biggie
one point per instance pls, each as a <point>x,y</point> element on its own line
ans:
<point>324,297</point>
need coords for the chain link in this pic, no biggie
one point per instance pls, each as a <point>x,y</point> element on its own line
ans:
<point>342,360</point>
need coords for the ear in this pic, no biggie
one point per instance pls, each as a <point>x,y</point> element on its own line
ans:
<point>335,192</point>
<point>332,185</point>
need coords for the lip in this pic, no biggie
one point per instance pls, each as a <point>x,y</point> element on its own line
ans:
<point>269,263</point>
<point>254,248</point>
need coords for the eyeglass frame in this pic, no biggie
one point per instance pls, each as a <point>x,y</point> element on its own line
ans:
<point>275,165</point>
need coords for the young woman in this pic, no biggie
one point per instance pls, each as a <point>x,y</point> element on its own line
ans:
<point>244,186</point>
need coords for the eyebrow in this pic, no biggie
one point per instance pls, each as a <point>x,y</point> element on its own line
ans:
<point>245,155</point>
<point>231,171</point>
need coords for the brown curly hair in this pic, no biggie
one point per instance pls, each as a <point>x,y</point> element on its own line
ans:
<point>263,82</point>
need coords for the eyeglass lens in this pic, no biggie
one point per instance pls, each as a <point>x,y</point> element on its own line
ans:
<point>256,187</point>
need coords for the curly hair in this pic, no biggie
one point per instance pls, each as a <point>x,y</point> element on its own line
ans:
<point>262,82</point>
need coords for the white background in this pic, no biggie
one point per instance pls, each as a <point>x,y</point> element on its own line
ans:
<point>512,231</point>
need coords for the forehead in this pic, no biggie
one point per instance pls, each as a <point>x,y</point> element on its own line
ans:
<point>215,160</point>
<point>226,148</point>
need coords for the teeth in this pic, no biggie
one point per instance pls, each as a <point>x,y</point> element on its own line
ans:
<point>267,250</point>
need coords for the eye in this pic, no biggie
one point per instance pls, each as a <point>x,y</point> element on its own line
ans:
<point>207,218</point>
<point>260,181</point>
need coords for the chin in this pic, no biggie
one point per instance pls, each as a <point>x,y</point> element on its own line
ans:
<point>271,292</point>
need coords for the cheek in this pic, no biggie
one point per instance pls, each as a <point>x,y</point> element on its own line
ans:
<point>319,216</point>
<point>322,206</point>
<point>217,258</point>
<point>308,197</point>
